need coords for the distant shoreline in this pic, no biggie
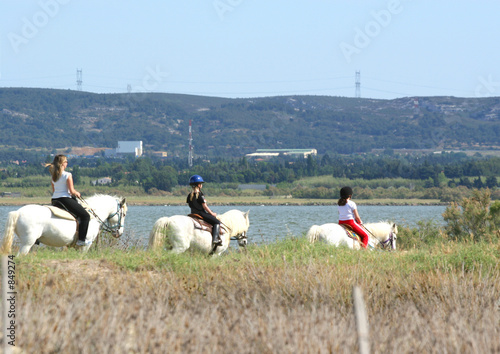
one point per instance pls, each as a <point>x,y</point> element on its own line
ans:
<point>220,201</point>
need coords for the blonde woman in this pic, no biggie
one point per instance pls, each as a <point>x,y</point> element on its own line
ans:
<point>198,205</point>
<point>62,192</point>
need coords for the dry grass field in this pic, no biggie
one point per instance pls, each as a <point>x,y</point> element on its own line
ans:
<point>291,297</point>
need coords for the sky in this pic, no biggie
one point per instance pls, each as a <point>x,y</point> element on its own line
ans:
<point>254,48</point>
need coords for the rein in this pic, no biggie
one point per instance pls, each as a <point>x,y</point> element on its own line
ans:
<point>389,240</point>
<point>105,224</point>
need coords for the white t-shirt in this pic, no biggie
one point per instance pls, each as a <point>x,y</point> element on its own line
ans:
<point>61,186</point>
<point>346,212</point>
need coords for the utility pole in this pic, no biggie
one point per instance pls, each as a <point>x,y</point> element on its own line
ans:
<point>190,156</point>
<point>79,79</point>
<point>358,84</point>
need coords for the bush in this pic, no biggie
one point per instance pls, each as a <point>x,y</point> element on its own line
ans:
<point>473,218</point>
<point>426,233</point>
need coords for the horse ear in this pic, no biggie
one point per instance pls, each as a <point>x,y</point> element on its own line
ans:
<point>122,203</point>
<point>246,214</point>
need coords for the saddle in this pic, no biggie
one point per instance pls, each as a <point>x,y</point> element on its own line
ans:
<point>61,213</point>
<point>64,214</point>
<point>350,232</point>
<point>201,224</point>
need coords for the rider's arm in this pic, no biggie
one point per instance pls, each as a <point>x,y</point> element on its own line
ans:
<point>356,216</point>
<point>207,209</point>
<point>71,187</point>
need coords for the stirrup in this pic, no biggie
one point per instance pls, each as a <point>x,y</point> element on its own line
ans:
<point>81,243</point>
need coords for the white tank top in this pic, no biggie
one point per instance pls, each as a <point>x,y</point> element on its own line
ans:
<point>346,212</point>
<point>61,186</point>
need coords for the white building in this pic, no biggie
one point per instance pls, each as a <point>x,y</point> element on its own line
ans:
<point>130,147</point>
<point>266,153</point>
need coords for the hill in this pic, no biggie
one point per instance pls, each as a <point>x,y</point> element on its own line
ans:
<point>50,119</point>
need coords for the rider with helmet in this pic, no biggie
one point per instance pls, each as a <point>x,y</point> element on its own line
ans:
<point>198,205</point>
<point>348,214</point>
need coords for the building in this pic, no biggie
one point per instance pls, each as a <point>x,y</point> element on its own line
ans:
<point>126,148</point>
<point>267,153</point>
<point>130,147</point>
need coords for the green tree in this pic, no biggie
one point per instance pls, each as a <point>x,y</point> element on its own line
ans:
<point>472,217</point>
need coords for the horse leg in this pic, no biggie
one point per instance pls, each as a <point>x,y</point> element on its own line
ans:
<point>179,247</point>
<point>24,250</point>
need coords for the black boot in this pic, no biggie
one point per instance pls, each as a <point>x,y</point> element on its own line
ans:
<point>215,235</point>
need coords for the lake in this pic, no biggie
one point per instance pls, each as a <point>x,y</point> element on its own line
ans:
<point>271,223</point>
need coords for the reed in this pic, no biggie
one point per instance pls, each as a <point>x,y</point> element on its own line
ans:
<point>290,296</point>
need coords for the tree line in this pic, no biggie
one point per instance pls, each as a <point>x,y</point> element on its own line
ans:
<point>455,169</point>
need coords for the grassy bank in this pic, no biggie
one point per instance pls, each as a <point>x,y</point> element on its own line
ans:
<point>226,200</point>
<point>291,296</point>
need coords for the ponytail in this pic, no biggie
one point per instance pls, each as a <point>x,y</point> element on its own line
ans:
<point>195,192</point>
<point>342,201</point>
<point>56,167</point>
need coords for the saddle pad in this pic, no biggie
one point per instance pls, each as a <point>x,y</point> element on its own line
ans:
<point>60,213</point>
<point>201,224</point>
<point>350,232</point>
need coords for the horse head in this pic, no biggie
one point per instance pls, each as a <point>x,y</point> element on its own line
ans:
<point>385,233</point>
<point>393,236</point>
<point>110,213</point>
<point>237,223</point>
<point>116,221</point>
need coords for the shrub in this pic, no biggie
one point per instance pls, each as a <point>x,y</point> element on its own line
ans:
<point>427,233</point>
<point>473,218</point>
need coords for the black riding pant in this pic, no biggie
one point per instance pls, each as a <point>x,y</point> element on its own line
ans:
<point>78,211</point>
<point>212,220</point>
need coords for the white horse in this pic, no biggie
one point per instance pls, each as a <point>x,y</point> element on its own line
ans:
<point>182,234</point>
<point>383,234</point>
<point>33,223</point>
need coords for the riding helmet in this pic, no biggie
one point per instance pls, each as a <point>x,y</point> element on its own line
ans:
<point>195,179</point>
<point>345,192</point>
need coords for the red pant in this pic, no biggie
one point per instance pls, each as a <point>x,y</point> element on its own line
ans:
<point>357,229</point>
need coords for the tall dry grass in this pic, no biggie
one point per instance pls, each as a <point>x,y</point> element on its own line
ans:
<point>284,298</point>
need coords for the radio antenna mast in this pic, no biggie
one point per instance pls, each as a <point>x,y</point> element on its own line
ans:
<point>190,156</point>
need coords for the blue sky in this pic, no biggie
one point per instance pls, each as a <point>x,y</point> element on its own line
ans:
<point>254,48</point>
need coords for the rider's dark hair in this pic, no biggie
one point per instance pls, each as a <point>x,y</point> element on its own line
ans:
<point>345,193</point>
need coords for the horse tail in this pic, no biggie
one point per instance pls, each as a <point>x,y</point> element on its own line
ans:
<point>313,233</point>
<point>158,233</point>
<point>9,232</point>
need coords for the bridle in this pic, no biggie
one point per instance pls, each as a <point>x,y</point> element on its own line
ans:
<point>239,238</point>
<point>105,225</point>
<point>383,244</point>
<point>389,242</point>
<point>113,229</point>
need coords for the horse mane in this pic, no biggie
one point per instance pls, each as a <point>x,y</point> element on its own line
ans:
<point>233,220</point>
<point>98,195</point>
<point>380,228</point>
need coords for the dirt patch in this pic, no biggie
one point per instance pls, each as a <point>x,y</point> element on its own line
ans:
<point>84,267</point>
<point>85,150</point>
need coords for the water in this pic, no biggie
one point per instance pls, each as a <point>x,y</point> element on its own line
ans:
<point>271,223</point>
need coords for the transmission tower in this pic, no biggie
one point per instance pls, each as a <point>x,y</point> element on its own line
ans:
<point>358,84</point>
<point>190,156</point>
<point>79,79</point>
